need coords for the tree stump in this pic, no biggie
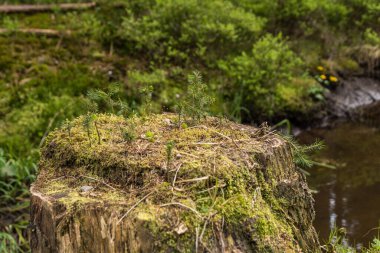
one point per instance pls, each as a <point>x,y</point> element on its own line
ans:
<point>148,185</point>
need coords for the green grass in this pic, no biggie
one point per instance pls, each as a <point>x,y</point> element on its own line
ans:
<point>338,243</point>
<point>15,178</point>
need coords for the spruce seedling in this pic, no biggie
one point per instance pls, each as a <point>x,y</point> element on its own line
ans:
<point>169,153</point>
<point>301,152</point>
<point>68,126</point>
<point>110,100</point>
<point>129,133</point>
<point>147,93</point>
<point>97,129</point>
<point>87,125</point>
<point>196,103</point>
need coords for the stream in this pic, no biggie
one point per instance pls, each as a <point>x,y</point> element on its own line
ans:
<point>348,195</point>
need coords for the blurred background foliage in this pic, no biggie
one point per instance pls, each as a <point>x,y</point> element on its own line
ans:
<point>257,57</point>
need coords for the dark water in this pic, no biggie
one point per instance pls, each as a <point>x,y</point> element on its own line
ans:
<point>348,196</point>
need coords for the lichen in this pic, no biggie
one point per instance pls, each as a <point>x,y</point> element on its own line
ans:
<point>217,180</point>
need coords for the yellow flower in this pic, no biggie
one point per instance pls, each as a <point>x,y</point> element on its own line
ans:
<point>323,77</point>
<point>333,79</point>
<point>320,68</point>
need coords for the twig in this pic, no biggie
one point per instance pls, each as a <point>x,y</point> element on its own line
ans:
<point>265,135</point>
<point>55,179</point>
<point>369,231</point>
<point>215,186</point>
<point>196,239</point>
<point>188,154</point>
<point>134,206</point>
<point>203,230</point>
<point>175,176</point>
<point>220,134</point>
<point>100,181</point>
<point>324,165</point>
<point>207,143</point>
<point>221,235</point>
<point>194,179</point>
<point>182,205</point>
<point>216,132</point>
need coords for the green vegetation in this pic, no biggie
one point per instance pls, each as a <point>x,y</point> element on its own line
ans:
<point>15,177</point>
<point>134,56</point>
<point>196,103</point>
<point>337,242</point>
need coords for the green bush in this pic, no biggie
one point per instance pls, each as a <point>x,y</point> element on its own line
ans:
<point>182,31</point>
<point>259,74</point>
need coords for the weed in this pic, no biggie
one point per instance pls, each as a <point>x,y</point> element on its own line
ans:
<point>8,243</point>
<point>150,136</point>
<point>15,179</point>
<point>338,243</point>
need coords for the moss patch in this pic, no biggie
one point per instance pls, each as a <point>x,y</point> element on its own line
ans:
<point>214,182</point>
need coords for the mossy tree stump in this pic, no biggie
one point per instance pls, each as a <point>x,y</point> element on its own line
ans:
<point>148,185</point>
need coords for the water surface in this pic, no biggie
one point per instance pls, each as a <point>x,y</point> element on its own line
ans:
<point>348,196</point>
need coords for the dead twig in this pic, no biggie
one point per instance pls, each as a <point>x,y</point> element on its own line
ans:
<point>188,154</point>
<point>196,239</point>
<point>216,132</point>
<point>194,179</point>
<point>182,205</point>
<point>134,206</point>
<point>215,186</point>
<point>100,181</point>
<point>175,176</point>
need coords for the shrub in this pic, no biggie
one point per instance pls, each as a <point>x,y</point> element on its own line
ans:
<point>183,30</point>
<point>259,74</point>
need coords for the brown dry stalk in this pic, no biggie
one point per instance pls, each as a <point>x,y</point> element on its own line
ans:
<point>134,206</point>
<point>182,205</point>
<point>29,8</point>
<point>100,181</point>
<point>36,31</point>
<point>175,176</point>
<point>193,179</point>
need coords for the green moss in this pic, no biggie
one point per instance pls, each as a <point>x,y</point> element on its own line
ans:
<point>210,177</point>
